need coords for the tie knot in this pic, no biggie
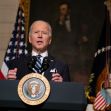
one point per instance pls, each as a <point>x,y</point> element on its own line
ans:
<point>38,56</point>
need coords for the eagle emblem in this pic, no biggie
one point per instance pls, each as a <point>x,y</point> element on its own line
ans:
<point>33,88</point>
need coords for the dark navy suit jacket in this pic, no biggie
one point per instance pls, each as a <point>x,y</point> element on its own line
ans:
<point>22,64</point>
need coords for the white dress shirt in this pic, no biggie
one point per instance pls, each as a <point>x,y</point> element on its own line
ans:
<point>44,54</point>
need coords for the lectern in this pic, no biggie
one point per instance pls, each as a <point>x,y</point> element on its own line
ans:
<point>66,96</point>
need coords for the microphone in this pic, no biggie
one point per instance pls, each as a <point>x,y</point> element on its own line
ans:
<point>31,64</point>
<point>45,64</point>
<point>44,67</point>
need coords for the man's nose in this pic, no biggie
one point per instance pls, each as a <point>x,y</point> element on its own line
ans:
<point>40,34</point>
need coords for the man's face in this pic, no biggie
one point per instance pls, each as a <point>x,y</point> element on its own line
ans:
<point>64,9</point>
<point>40,36</point>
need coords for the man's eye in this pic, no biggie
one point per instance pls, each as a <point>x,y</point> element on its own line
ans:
<point>46,33</point>
<point>36,32</point>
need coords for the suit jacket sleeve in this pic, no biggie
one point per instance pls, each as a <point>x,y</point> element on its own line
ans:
<point>65,73</point>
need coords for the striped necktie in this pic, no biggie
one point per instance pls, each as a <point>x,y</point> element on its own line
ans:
<point>38,63</point>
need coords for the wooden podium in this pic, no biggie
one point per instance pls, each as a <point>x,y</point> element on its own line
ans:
<point>66,96</point>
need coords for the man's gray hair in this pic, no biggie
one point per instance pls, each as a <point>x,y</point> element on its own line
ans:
<point>49,27</point>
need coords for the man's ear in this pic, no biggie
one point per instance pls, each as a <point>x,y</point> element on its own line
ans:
<point>50,40</point>
<point>30,39</point>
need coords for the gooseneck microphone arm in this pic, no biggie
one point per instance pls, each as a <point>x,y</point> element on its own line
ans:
<point>31,64</point>
<point>45,64</point>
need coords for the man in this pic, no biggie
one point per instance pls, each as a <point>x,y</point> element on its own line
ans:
<point>63,22</point>
<point>64,30</point>
<point>40,37</point>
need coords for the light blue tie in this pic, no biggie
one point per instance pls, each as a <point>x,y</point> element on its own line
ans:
<point>38,63</point>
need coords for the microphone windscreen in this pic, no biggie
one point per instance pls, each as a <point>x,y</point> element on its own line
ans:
<point>45,64</point>
<point>31,64</point>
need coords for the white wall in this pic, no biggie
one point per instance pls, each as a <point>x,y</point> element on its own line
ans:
<point>8,11</point>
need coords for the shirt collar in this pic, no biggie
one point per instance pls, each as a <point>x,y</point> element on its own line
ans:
<point>44,54</point>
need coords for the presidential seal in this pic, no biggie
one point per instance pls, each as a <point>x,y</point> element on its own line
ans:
<point>33,89</point>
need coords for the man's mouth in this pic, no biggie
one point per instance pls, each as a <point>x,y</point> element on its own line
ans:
<point>39,41</point>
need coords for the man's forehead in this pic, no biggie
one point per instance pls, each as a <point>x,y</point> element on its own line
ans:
<point>40,25</point>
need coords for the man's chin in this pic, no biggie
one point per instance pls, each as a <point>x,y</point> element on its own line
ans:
<point>41,49</point>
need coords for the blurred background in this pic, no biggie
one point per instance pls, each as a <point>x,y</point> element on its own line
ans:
<point>76,24</point>
<point>78,45</point>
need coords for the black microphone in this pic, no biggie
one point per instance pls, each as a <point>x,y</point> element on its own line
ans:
<point>45,64</point>
<point>31,64</point>
<point>44,67</point>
